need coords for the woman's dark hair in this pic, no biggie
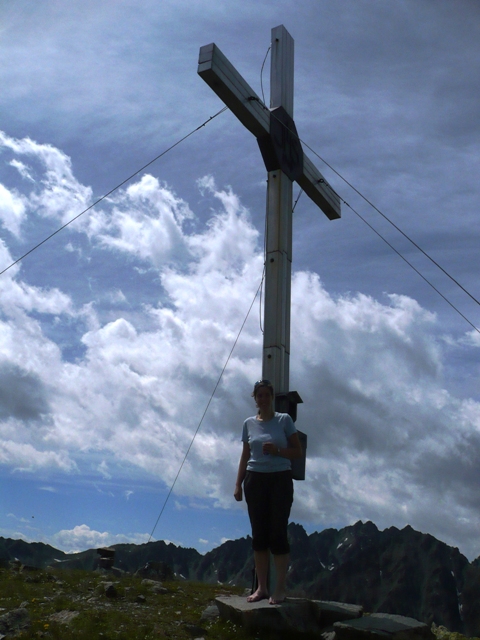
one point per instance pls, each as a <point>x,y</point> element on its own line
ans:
<point>263,383</point>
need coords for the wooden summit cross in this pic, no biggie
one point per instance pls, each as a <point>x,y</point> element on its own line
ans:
<point>285,162</point>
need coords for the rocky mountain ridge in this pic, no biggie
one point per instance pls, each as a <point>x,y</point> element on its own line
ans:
<point>403,571</point>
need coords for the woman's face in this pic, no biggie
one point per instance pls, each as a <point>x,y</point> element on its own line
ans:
<point>263,398</point>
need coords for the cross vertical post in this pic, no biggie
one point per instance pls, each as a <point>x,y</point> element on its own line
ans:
<point>278,267</point>
<point>285,162</point>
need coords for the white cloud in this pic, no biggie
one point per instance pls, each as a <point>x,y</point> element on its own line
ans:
<point>56,193</point>
<point>103,469</point>
<point>19,297</point>
<point>387,439</point>
<point>22,169</point>
<point>14,517</point>
<point>81,537</point>
<point>473,339</point>
<point>145,221</point>
<point>116,296</point>
<point>25,457</point>
<point>12,210</point>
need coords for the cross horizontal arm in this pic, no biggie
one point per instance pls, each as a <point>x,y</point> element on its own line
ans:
<point>228,84</point>
<point>222,77</point>
<point>317,189</point>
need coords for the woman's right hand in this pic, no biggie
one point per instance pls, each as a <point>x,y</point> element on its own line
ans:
<point>238,493</point>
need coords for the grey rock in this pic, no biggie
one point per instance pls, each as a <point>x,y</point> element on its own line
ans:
<point>332,612</point>
<point>159,589</point>
<point>110,590</point>
<point>383,625</point>
<point>14,620</point>
<point>154,585</point>
<point>210,613</point>
<point>64,617</point>
<point>295,616</point>
<point>193,629</point>
<point>149,583</point>
<point>112,571</point>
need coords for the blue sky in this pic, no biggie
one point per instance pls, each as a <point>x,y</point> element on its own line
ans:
<point>113,334</point>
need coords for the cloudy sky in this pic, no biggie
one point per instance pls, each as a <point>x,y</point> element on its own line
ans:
<point>114,333</point>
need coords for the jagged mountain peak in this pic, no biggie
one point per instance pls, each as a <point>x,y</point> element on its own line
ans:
<point>400,571</point>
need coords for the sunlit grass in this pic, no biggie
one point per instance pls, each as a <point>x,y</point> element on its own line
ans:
<point>136,613</point>
<point>441,633</point>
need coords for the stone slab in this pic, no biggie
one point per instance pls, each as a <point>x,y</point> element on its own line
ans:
<point>382,625</point>
<point>332,612</point>
<point>294,616</point>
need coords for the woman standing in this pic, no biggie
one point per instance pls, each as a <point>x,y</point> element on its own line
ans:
<point>270,441</point>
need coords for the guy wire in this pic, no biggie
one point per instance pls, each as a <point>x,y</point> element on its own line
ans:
<point>111,191</point>
<point>391,222</point>
<point>296,201</point>
<point>411,265</point>
<point>261,72</point>
<point>206,409</point>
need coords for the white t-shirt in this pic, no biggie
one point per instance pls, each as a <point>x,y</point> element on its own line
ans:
<point>257,432</point>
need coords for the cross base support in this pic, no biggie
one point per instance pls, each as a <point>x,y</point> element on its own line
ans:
<point>287,403</point>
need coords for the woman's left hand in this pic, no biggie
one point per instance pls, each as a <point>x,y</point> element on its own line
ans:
<point>270,448</point>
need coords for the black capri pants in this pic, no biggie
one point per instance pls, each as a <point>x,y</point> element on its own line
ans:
<point>269,498</point>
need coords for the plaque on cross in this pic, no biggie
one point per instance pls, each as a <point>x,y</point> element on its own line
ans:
<point>285,162</point>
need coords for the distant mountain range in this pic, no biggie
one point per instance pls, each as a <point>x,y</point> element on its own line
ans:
<point>392,571</point>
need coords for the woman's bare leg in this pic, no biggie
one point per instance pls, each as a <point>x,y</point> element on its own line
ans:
<point>281,567</point>
<point>262,559</point>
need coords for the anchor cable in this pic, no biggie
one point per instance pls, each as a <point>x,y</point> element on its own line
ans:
<point>261,71</point>
<point>411,265</point>
<point>395,226</point>
<point>160,155</point>
<point>205,411</point>
<point>388,220</point>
